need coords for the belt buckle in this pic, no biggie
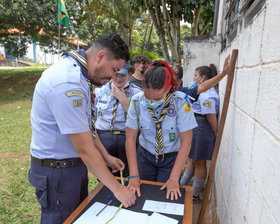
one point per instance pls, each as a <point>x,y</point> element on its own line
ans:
<point>57,164</point>
<point>116,132</point>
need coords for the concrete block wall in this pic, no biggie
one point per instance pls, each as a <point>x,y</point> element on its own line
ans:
<point>247,176</point>
<point>200,51</point>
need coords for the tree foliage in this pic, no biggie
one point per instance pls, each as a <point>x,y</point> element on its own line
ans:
<point>36,21</point>
<point>166,16</point>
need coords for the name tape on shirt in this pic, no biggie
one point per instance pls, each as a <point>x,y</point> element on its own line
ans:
<point>75,93</point>
<point>187,107</point>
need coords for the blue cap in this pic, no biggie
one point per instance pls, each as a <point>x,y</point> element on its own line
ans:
<point>124,69</point>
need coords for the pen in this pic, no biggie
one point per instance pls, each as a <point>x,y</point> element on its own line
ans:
<point>104,207</point>
<point>108,197</point>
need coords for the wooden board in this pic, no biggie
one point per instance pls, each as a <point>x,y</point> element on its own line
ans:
<point>149,190</point>
<point>219,135</point>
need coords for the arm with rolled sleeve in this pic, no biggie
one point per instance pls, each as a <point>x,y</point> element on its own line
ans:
<point>74,121</point>
<point>130,147</point>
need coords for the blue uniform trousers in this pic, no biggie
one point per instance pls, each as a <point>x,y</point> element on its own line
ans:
<point>115,145</point>
<point>58,190</point>
<point>149,169</point>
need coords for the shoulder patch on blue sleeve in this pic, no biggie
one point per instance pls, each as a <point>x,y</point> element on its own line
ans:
<point>75,93</point>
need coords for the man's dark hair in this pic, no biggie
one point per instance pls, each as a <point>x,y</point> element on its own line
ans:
<point>113,44</point>
<point>139,58</point>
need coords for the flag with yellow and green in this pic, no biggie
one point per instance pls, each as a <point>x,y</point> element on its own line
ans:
<point>63,17</point>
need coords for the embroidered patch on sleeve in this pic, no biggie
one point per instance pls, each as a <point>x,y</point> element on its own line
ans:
<point>77,103</point>
<point>207,104</point>
<point>187,107</point>
<point>75,93</point>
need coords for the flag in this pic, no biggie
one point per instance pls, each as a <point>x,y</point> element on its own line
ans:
<point>63,17</point>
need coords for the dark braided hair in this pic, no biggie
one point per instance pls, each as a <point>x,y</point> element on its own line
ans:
<point>209,72</point>
<point>159,75</point>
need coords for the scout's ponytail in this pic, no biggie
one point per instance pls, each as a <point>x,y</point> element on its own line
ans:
<point>159,75</point>
<point>209,72</point>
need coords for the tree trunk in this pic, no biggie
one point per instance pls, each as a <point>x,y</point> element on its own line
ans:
<point>177,31</point>
<point>149,39</point>
<point>205,27</point>
<point>145,35</point>
<point>178,39</point>
<point>155,16</point>
<point>196,15</point>
<point>167,24</point>
<point>125,34</point>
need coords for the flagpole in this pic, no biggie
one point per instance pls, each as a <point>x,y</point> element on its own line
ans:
<point>58,36</point>
<point>58,32</point>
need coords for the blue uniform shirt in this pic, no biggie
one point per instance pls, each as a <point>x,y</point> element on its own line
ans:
<point>207,103</point>
<point>61,106</point>
<point>104,102</point>
<point>179,118</point>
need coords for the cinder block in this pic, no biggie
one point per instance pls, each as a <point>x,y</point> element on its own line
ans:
<point>225,157</point>
<point>222,210</point>
<point>255,204</point>
<point>250,40</point>
<point>267,217</point>
<point>242,134</point>
<point>240,179</point>
<point>236,214</point>
<point>246,89</point>
<point>267,108</point>
<point>265,168</point>
<point>271,45</point>
<point>231,117</point>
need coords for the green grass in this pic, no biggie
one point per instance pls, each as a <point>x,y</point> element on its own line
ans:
<point>18,201</point>
<point>18,84</point>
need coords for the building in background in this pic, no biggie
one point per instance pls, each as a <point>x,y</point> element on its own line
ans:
<point>247,175</point>
<point>35,53</point>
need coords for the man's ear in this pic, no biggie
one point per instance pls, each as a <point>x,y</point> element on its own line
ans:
<point>100,54</point>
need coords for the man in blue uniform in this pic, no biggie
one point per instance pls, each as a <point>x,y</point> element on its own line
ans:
<point>62,147</point>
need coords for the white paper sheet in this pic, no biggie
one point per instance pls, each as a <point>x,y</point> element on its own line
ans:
<point>124,216</point>
<point>157,218</point>
<point>164,207</point>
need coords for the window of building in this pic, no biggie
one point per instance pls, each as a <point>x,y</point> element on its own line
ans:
<point>240,13</point>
